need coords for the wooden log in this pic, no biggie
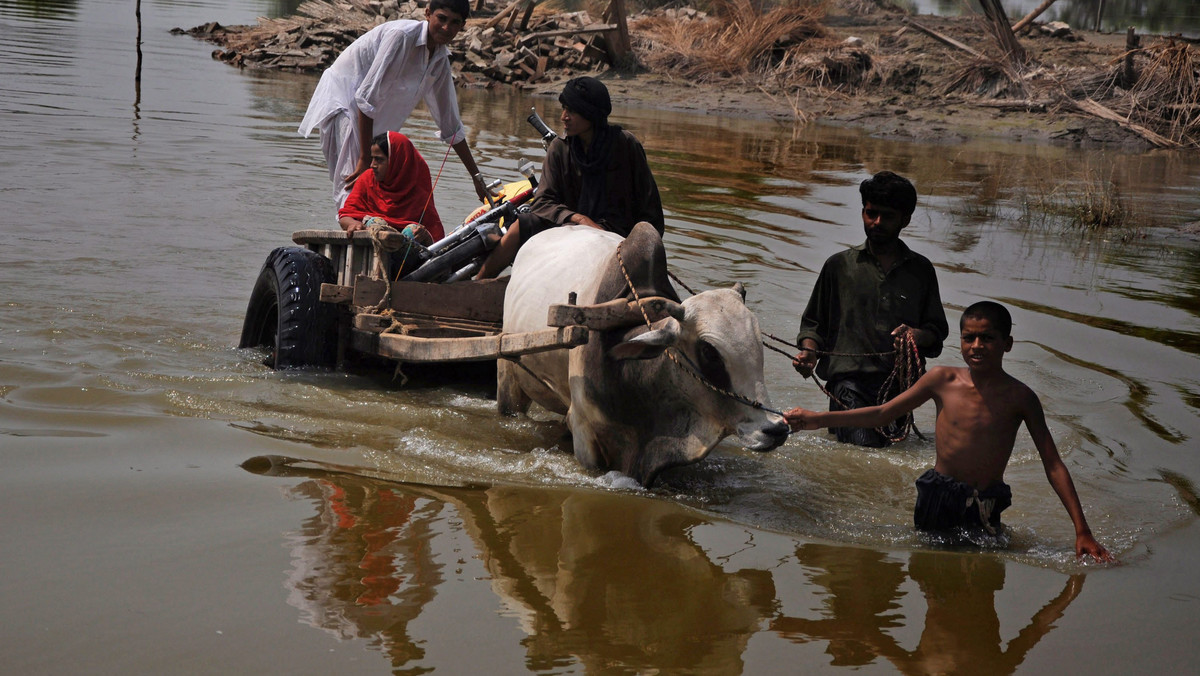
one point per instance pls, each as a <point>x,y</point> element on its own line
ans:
<point>1023,104</point>
<point>528,13</point>
<point>943,39</point>
<point>1129,75</point>
<point>595,28</point>
<point>946,40</point>
<point>620,52</point>
<point>1093,108</point>
<point>503,14</point>
<point>1028,19</point>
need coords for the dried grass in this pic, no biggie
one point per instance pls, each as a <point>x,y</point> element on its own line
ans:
<point>737,39</point>
<point>1166,96</point>
<point>986,78</point>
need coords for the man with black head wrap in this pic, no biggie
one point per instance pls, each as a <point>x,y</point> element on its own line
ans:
<point>596,174</point>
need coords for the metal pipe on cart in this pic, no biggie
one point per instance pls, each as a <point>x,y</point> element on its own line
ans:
<point>484,237</point>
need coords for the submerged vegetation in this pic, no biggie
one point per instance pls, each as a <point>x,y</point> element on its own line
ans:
<point>1092,206</point>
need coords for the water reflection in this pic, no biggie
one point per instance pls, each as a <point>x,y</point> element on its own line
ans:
<point>961,628</point>
<point>608,580</point>
<point>591,576</point>
<point>360,566</point>
<point>43,9</point>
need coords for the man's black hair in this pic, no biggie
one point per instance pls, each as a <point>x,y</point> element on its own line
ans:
<point>887,189</point>
<point>459,7</point>
<point>993,312</point>
<point>588,97</point>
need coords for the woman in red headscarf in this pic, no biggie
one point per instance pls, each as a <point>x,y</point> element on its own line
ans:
<point>396,189</point>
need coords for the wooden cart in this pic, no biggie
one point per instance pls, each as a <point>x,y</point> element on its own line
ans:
<point>419,322</point>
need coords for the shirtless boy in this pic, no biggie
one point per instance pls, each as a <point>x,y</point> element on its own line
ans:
<point>979,410</point>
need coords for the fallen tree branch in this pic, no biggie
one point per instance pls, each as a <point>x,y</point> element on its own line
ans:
<point>1092,108</point>
<point>599,28</point>
<point>946,40</point>
<point>1028,19</point>
<point>1023,104</point>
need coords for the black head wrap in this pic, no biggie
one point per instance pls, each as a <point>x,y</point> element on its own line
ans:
<point>588,97</point>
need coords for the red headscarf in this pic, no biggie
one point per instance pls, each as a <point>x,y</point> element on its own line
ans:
<point>404,196</point>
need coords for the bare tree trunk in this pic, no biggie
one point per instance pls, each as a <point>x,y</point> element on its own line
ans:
<point>1012,49</point>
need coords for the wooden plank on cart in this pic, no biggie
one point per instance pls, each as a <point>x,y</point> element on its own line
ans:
<point>340,238</point>
<point>481,300</point>
<point>413,349</point>
<point>334,293</point>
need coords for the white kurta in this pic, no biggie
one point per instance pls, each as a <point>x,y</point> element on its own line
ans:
<point>384,73</point>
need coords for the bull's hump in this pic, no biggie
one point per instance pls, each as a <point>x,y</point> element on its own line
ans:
<point>642,259</point>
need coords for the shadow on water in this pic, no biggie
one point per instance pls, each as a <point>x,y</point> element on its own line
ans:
<point>595,579</point>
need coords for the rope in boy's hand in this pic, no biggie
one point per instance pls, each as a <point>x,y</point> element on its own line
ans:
<point>906,370</point>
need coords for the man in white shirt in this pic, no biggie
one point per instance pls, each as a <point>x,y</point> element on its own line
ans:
<point>376,82</point>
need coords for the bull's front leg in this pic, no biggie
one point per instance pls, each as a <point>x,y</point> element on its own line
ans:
<point>511,399</point>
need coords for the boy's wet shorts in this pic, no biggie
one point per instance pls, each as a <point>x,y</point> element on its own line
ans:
<point>944,503</point>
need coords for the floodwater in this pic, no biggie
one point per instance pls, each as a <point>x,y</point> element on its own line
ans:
<point>171,506</point>
<point>1160,17</point>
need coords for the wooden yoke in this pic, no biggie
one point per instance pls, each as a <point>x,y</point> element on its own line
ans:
<point>614,314</point>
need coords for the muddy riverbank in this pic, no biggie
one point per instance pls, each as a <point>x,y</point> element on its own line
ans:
<point>926,78</point>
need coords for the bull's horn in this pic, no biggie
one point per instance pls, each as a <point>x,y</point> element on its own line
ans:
<point>741,289</point>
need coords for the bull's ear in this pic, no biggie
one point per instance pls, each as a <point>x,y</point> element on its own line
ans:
<point>662,334</point>
<point>737,286</point>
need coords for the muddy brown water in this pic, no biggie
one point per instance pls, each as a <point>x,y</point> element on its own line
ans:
<point>171,506</point>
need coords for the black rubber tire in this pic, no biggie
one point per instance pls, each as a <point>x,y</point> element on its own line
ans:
<point>285,313</point>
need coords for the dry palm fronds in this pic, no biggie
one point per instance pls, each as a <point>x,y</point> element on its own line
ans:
<point>1166,96</point>
<point>837,68</point>
<point>986,78</point>
<point>737,39</point>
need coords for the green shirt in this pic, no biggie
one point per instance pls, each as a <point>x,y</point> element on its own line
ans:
<point>855,307</point>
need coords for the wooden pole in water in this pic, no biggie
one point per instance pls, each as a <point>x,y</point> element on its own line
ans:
<point>1099,16</point>
<point>137,73</point>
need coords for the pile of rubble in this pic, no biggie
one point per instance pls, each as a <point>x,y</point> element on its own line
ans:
<point>504,41</point>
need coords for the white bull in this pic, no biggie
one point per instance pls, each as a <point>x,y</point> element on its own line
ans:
<point>630,407</point>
